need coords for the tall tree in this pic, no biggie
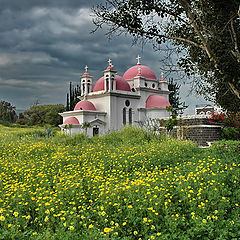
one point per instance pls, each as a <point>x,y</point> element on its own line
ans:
<point>174,97</point>
<point>206,31</point>
<point>72,96</point>
<point>7,112</point>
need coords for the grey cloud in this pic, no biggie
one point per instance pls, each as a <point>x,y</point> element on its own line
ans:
<point>46,44</point>
<point>27,4</point>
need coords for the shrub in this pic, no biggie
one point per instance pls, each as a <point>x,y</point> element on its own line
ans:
<point>231,133</point>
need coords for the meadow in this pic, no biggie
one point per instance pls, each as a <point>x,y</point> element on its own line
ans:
<point>124,185</point>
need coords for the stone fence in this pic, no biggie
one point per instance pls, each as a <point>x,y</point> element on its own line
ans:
<point>198,129</point>
<point>195,128</point>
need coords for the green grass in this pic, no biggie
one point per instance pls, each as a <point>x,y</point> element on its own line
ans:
<point>125,185</point>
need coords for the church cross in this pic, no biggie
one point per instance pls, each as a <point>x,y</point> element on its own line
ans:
<point>86,68</point>
<point>138,59</point>
<point>110,62</point>
<point>162,74</point>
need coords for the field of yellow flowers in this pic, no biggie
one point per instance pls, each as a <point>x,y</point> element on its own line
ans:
<point>125,185</point>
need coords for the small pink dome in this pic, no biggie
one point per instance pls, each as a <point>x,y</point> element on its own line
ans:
<point>156,101</point>
<point>145,72</point>
<point>121,84</point>
<point>84,105</point>
<point>71,120</point>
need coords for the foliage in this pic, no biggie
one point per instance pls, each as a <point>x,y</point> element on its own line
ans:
<point>45,114</point>
<point>172,121</point>
<point>85,126</point>
<point>72,96</point>
<point>207,32</point>
<point>7,112</point>
<point>231,133</point>
<point>174,98</point>
<point>231,122</point>
<point>99,189</point>
<point>229,119</point>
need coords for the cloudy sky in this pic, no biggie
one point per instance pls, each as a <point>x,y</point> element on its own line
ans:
<point>45,44</point>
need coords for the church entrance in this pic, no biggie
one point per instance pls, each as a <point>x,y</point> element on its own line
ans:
<point>95,131</point>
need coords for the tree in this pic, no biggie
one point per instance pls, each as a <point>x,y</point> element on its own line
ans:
<point>207,32</point>
<point>72,96</point>
<point>85,126</point>
<point>7,112</point>
<point>174,98</point>
<point>45,114</point>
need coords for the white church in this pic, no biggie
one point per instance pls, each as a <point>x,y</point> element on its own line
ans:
<point>116,101</point>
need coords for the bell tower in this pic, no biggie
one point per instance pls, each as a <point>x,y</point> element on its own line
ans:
<point>110,78</point>
<point>86,83</point>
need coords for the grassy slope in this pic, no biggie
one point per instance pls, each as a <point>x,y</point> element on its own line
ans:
<point>125,185</point>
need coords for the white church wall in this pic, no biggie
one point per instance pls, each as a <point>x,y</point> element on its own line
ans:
<point>117,105</point>
<point>157,113</point>
<point>103,104</point>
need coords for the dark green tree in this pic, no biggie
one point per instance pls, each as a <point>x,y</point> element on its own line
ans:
<point>45,114</point>
<point>7,112</point>
<point>72,96</point>
<point>207,32</point>
<point>174,97</point>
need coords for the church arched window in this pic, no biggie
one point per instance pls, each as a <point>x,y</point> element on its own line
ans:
<point>130,116</point>
<point>124,116</point>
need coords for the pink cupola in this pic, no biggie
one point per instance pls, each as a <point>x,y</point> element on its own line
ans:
<point>85,105</point>
<point>156,101</point>
<point>71,120</point>
<point>139,70</point>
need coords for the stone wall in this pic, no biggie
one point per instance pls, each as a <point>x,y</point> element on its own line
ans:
<point>198,129</point>
<point>195,128</point>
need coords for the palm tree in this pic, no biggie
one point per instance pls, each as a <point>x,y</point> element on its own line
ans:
<point>85,126</point>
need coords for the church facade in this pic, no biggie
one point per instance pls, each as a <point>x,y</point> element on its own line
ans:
<point>116,101</point>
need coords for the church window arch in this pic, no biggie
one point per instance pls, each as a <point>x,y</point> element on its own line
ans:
<point>130,116</point>
<point>124,116</point>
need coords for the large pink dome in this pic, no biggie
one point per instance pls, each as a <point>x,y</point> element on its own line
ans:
<point>156,101</point>
<point>84,105</point>
<point>71,120</point>
<point>121,84</point>
<point>144,72</point>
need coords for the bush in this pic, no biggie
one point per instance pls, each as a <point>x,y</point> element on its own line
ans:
<point>231,133</point>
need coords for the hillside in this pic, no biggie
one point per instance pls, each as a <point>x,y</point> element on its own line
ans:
<point>125,185</point>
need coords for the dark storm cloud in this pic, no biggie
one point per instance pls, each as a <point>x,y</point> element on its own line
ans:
<point>27,4</point>
<point>45,44</point>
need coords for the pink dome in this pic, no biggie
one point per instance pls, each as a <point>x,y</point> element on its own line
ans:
<point>121,84</point>
<point>71,120</point>
<point>145,72</point>
<point>156,101</point>
<point>84,105</point>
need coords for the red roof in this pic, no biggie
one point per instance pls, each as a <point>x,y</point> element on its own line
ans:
<point>156,101</point>
<point>144,72</point>
<point>121,84</point>
<point>71,120</point>
<point>84,105</point>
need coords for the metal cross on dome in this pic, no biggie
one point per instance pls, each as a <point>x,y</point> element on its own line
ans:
<point>162,74</point>
<point>138,59</point>
<point>110,62</point>
<point>86,68</point>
